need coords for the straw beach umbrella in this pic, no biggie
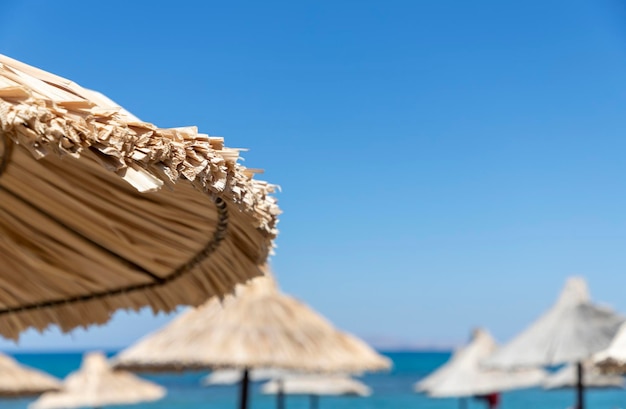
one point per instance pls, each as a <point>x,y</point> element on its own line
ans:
<point>17,380</point>
<point>613,358</point>
<point>233,376</point>
<point>463,376</point>
<point>259,328</point>
<point>100,210</point>
<point>570,332</point>
<point>567,377</point>
<point>95,385</point>
<point>315,386</point>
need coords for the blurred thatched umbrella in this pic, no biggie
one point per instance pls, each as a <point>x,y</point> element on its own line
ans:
<point>463,376</point>
<point>570,332</point>
<point>259,328</point>
<point>18,380</point>
<point>233,376</point>
<point>315,386</point>
<point>100,210</point>
<point>613,358</point>
<point>566,377</point>
<point>95,385</point>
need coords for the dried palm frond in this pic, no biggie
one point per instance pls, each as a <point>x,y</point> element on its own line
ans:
<point>101,211</point>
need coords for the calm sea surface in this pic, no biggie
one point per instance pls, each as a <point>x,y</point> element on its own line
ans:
<point>391,390</point>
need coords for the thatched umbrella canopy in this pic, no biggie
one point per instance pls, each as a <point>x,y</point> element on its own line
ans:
<point>567,377</point>
<point>95,385</point>
<point>570,332</point>
<point>100,210</point>
<point>317,385</point>
<point>259,328</point>
<point>613,358</point>
<point>463,375</point>
<point>17,380</point>
<point>233,376</point>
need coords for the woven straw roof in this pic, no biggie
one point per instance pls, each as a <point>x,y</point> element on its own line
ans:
<point>463,375</point>
<point>567,377</point>
<point>613,358</point>
<point>317,385</point>
<point>571,331</point>
<point>100,210</point>
<point>259,328</point>
<point>96,385</point>
<point>19,380</point>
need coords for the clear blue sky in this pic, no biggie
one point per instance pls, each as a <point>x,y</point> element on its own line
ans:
<point>443,164</point>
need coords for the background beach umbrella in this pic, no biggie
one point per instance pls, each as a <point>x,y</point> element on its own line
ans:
<point>233,376</point>
<point>463,376</point>
<point>17,380</point>
<point>440,373</point>
<point>570,332</point>
<point>613,358</point>
<point>567,377</point>
<point>258,328</point>
<point>100,210</point>
<point>315,385</point>
<point>95,385</point>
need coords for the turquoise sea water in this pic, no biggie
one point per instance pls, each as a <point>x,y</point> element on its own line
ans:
<point>391,390</point>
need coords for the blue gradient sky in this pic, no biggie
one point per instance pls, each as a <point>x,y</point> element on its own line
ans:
<point>443,164</point>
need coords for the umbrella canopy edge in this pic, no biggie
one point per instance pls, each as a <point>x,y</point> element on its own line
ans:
<point>47,119</point>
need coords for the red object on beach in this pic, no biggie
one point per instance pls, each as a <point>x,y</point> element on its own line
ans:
<point>493,400</point>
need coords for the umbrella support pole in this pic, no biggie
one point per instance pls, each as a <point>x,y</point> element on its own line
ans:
<point>245,383</point>
<point>314,400</point>
<point>463,403</point>
<point>280,396</point>
<point>580,387</point>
